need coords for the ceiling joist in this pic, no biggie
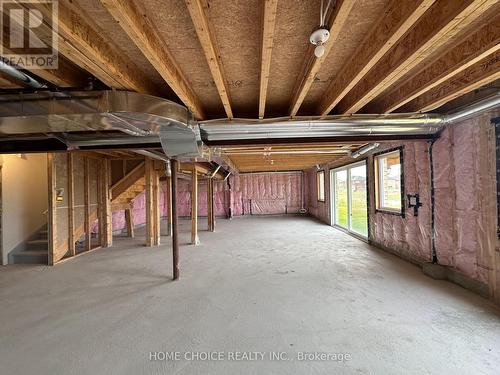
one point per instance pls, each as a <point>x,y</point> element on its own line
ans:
<point>66,75</point>
<point>80,43</point>
<point>472,78</point>
<point>208,43</point>
<point>468,52</point>
<point>444,20</point>
<point>401,17</point>
<point>312,64</point>
<point>140,29</point>
<point>268,24</point>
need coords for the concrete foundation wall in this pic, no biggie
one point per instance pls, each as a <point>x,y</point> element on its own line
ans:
<point>24,198</point>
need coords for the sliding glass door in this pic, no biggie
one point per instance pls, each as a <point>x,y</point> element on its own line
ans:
<point>349,198</point>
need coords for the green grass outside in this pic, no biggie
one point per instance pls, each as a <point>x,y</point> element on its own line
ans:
<point>359,219</point>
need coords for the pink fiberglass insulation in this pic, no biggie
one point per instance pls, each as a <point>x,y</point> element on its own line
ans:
<point>251,194</point>
<point>465,199</point>
<point>320,210</point>
<point>266,193</point>
<point>409,235</point>
<point>465,196</point>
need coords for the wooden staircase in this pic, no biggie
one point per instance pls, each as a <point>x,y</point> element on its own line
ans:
<point>128,188</point>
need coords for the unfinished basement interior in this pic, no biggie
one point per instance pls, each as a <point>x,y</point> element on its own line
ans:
<point>250,187</point>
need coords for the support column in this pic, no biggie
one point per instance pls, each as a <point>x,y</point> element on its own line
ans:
<point>210,205</point>
<point>106,217</point>
<point>175,224</point>
<point>149,203</point>
<point>152,204</point>
<point>168,200</point>
<point>71,206</point>
<point>51,222</point>
<point>130,222</point>
<point>86,171</point>
<point>194,207</point>
<point>155,182</point>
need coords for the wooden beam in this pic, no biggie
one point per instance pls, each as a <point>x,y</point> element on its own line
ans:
<point>106,217</point>
<point>486,71</point>
<point>312,65</point>
<point>194,208</point>
<point>143,33</point>
<point>399,17</point>
<point>268,23</point>
<point>87,210</point>
<point>52,208</point>
<point>210,205</point>
<point>175,223</point>
<point>156,207</point>
<point>477,46</point>
<point>129,219</point>
<point>444,20</point>
<point>208,42</point>
<point>71,206</point>
<point>149,203</point>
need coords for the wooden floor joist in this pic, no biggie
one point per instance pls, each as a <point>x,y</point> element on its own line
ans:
<point>479,74</point>
<point>400,17</point>
<point>268,24</point>
<point>444,20</point>
<point>80,43</point>
<point>312,64</point>
<point>477,46</point>
<point>147,39</point>
<point>210,48</point>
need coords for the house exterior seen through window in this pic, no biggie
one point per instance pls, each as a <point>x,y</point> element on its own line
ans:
<point>388,181</point>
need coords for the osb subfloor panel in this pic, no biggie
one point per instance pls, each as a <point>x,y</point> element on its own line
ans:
<point>259,284</point>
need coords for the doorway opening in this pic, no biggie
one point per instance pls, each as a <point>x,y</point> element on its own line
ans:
<point>349,198</point>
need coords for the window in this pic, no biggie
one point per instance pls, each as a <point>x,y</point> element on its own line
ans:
<point>389,181</point>
<point>320,182</point>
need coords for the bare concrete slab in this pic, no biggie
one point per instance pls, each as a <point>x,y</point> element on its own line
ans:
<point>287,285</point>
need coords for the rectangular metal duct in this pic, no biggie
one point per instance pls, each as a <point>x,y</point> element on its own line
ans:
<point>82,119</point>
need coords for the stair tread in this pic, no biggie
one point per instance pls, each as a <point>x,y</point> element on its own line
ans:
<point>38,241</point>
<point>32,252</point>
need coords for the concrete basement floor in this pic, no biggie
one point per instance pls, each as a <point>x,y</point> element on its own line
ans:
<point>258,284</point>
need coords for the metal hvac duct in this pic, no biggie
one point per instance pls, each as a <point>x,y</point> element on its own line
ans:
<point>100,118</point>
<point>392,125</point>
<point>49,121</point>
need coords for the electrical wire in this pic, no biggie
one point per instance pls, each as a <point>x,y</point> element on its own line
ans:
<point>322,15</point>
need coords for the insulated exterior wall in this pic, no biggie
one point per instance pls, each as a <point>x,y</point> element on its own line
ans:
<point>465,195</point>
<point>252,194</point>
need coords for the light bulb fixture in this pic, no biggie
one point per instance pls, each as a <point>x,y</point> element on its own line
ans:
<point>319,38</point>
<point>319,51</point>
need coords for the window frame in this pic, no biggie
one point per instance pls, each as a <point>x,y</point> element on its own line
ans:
<point>318,185</point>
<point>376,158</point>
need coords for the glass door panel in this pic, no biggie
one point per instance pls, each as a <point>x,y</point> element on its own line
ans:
<point>341,199</point>
<point>358,203</point>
